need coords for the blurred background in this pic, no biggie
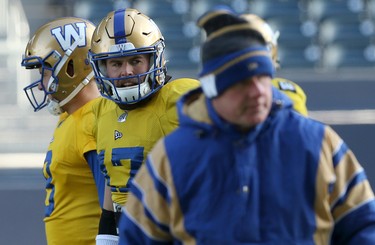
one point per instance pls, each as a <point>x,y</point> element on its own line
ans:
<point>326,46</point>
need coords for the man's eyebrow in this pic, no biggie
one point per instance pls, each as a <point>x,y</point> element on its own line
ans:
<point>114,60</point>
<point>137,56</point>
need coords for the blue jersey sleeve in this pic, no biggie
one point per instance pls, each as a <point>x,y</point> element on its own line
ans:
<point>92,160</point>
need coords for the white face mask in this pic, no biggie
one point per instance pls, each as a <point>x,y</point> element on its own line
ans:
<point>54,108</point>
<point>132,93</point>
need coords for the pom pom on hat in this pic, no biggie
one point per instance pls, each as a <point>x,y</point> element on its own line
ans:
<point>232,51</point>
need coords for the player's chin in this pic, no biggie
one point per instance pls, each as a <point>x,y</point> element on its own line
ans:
<point>255,118</point>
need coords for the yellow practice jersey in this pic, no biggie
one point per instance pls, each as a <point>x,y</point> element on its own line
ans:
<point>294,92</point>
<point>125,137</point>
<point>72,209</point>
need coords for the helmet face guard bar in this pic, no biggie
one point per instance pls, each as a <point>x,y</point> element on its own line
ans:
<point>122,53</point>
<point>35,89</point>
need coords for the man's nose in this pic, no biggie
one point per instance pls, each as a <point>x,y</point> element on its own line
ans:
<point>40,87</point>
<point>256,87</point>
<point>126,70</point>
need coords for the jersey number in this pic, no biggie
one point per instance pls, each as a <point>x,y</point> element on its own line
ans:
<point>50,188</point>
<point>125,163</point>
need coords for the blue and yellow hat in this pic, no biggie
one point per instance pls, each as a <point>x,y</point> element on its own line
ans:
<point>232,51</point>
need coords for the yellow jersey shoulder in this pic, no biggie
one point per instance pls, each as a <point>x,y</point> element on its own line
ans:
<point>294,92</point>
<point>181,85</point>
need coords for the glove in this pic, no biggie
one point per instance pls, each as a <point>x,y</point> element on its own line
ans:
<point>106,240</point>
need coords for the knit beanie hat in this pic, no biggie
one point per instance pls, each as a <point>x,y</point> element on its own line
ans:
<point>232,51</point>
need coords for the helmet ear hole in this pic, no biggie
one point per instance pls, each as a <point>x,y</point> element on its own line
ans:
<point>70,68</point>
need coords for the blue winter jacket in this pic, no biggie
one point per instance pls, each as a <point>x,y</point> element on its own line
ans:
<point>290,180</point>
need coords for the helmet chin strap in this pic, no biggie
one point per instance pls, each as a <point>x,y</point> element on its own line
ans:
<point>161,76</point>
<point>77,89</point>
<point>54,107</point>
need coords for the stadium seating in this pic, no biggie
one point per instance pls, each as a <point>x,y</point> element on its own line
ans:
<point>310,29</point>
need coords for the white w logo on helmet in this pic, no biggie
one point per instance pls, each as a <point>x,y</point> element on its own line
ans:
<point>65,38</point>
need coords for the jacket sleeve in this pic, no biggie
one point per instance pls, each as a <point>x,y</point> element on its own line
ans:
<point>351,199</point>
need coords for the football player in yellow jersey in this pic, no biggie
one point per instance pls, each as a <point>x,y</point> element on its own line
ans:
<point>74,183</point>
<point>291,89</point>
<point>127,54</point>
